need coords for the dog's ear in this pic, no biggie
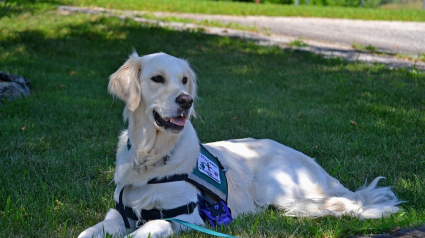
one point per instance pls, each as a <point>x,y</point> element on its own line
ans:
<point>125,83</point>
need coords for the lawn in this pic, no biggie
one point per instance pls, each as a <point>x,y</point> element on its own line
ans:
<point>242,8</point>
<point>58,145</point>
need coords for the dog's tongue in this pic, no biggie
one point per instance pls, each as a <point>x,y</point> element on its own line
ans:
<point>179,121</point>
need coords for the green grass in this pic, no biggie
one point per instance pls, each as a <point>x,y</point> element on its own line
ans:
<point>373,50</point>
<point>297,43</point>
<point>67,129</point>
<point>241,8</point>
<point>202,22</point>
<point>362,47</point>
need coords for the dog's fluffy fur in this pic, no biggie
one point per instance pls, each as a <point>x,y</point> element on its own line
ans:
<point>260,172</point>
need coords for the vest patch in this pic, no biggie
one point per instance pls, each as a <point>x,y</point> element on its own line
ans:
<point>208,175</point>
<point>208,168</point>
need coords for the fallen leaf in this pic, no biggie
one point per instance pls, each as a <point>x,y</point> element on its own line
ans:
<point>24,127</point>
<point>73,72</point>
<point>396,229</point>
<point>353,123</point>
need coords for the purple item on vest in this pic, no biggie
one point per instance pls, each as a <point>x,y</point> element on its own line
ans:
<point>217,215</point>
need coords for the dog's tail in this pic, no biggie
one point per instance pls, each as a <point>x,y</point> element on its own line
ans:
<point>368,202</point>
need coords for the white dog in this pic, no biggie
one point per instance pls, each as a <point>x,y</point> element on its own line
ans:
<point>160,142</point>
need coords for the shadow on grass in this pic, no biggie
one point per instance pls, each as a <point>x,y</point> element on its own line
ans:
<point>357,120</point>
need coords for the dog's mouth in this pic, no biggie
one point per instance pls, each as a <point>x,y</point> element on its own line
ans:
<point>173,123</point>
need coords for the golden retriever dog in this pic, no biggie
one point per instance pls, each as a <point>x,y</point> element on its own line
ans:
<point>159,92</point>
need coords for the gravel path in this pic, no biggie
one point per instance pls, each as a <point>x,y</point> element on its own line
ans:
<point>328,37</point>
<point>387,36</point>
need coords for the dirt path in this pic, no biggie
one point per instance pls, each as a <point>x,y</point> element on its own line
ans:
<point>328,37</point>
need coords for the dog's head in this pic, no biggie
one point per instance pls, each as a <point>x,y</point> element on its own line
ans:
<point>160,85</point>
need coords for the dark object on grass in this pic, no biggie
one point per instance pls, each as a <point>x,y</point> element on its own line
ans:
<point>13,86</point>
<point>403,233</point>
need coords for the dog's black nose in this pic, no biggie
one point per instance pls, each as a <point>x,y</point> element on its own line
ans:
<point>184,101</point>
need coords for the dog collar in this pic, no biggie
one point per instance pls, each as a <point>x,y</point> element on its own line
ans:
<point>173,178</point>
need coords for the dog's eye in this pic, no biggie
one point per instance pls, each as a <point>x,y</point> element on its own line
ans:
<point>184,80</point>
<point>158,79</point>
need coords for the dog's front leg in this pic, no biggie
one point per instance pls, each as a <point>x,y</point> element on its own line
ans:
<point>113,225</point>
<point>156,229</point>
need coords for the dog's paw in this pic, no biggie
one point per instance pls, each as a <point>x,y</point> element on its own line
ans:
<point>153,229</point>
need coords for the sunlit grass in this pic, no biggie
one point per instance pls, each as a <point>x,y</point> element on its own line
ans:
<point>244,9</point>
<point>201,22</point>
